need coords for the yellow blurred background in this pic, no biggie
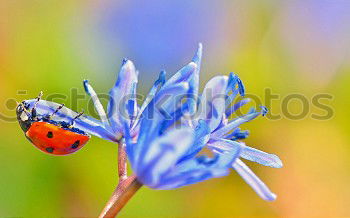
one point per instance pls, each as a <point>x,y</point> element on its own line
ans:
<point>291,47</point>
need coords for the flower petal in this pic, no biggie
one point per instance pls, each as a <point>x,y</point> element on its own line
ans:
<point>259,187</point>
<point>235,123</point>
<point>235,107</point>
<point>199,169</point>
<point>223,145</point>
<point>194,83</point>
<point>98,106</point>
<point>212,104</point>
<point>123,90</point>
<point>192,177</point>
<point>131,104</point>
<point>261,157</point>
<point>158,111</point>
<point>185,74</point>
<point>130,145</point>
<point>202,135</point>
<point>162,154</point>
<point>249,153</point>
<point>156,86</point>
<point>241,88</point>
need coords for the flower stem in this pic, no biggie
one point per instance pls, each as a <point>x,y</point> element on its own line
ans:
<point>126,187</point>
<point>122,194</point>
<point>122,163</point>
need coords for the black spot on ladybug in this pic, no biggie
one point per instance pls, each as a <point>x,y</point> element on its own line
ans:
<point>49,134</point>
<point>49,149</point>
<point>75,144</point>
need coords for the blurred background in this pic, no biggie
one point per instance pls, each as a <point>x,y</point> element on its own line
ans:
<point>295,46</point>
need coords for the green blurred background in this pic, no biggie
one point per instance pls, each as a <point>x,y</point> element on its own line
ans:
<point>290,47</point>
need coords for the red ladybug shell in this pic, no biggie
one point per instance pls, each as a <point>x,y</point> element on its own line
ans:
<point>53,139</point>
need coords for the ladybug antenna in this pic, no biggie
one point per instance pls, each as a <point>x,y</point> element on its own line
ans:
<point>76,117</point>
<point>37,101</point>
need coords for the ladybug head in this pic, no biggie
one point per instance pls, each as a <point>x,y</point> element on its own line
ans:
<point>24,117</point>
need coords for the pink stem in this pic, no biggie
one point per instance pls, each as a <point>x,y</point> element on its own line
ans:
<point>126,187</point>
<point>122,162</point>
<point>122,194</point>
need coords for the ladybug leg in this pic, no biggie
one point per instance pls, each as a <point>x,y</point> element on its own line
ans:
<point>38,99</point>
<point>76,117</point>
<point>33,111</point>
<point>55,112</point>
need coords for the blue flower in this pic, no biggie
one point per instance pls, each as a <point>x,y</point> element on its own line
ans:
<point>157,154</point>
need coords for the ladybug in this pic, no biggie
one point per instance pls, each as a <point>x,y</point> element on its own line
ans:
<point>48,135</point>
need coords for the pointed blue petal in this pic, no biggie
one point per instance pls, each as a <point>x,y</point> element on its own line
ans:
<point>261,157</point>
<point>194,83</point>
<point>185,74</point>
<point>232,82</point>
<point>99,108</point>
<point>236,106</point>
<point>131,105</point>
<point>192,177</point>
<point>241,88</point>
<point>259,187</point>
<point>248,153</point>
<point>264,110</point>
<point>235,123</point>
<point>223,145</point>
<point>197,58</point>
<point>156,86</point>
<point>123,90</point>
<point>212,103</point>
